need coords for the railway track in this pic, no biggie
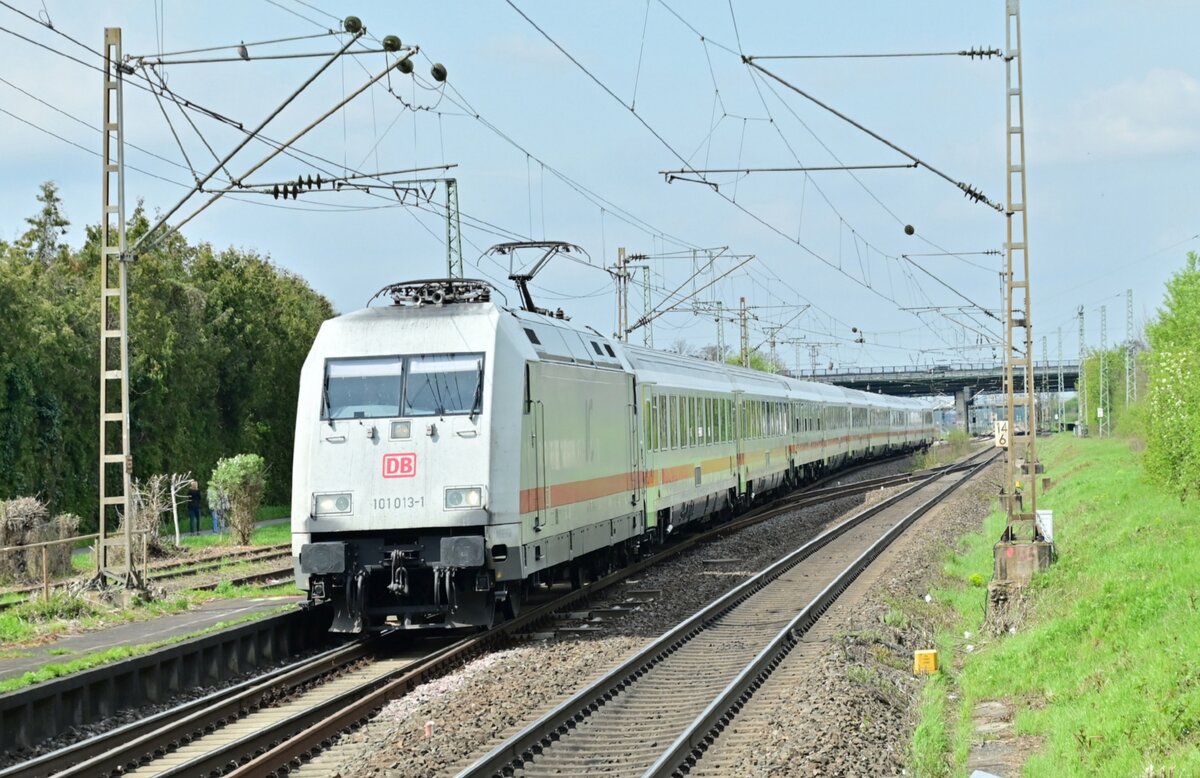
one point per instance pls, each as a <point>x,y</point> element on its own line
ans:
<point>277,719</point>
<point>658,712</point>
<point>176,569</point>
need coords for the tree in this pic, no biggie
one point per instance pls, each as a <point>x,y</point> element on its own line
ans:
<point>713,354</point>
<point>1173,364</point>
<point>681,346</point>
<point>243,478</point>
<point>758,361</point>
<point>179,487</point>
<point>46,228</point>
<point>216,344</point>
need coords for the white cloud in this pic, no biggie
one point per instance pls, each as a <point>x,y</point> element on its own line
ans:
<point>1155,115</point>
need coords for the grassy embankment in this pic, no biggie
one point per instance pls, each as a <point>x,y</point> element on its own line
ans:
<point>955,446</point>
<point>1106,665</point>
<point>37,620</point>
<point>88,661</point>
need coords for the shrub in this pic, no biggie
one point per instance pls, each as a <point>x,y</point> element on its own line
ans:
<point>25,520</point>
<point>1173,420</point>
<point>243,479</point>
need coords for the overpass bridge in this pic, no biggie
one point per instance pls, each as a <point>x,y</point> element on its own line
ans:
<point>963,380</point>
<point>944,379</point>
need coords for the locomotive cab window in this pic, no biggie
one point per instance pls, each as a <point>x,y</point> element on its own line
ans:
<point>367,388</point>
<point>444,385</point>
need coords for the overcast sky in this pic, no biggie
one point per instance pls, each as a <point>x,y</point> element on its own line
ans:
<point>1112,120</point>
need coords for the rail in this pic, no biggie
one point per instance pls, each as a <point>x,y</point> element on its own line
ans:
<point>159,571</point>
<point>292,736</point>
<point>571,716</point>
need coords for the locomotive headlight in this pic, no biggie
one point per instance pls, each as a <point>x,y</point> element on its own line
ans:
<point>333,504</point>
<point>471,497</point>
<point>401,430</point>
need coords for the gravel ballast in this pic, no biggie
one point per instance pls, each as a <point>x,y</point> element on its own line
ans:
<point>444,725</point>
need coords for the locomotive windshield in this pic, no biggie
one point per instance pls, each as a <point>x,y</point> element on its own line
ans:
<point>362,388</point>
<point>444,384</point>
<point>386,387</point>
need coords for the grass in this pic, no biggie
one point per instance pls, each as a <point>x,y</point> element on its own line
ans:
<point>59,669</point>
<point>40,619</point>
<point>956,446</point>
<point>267,512</point>
<point>269,535</point>
<point>1106,667</point>
<point>226,590</point>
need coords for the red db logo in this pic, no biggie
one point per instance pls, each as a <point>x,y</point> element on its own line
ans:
<point>399,465</point>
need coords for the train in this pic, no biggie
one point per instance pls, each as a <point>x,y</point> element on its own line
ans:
<point>452,452</point>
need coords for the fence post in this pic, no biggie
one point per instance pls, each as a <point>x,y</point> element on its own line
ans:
<point>46,573</point>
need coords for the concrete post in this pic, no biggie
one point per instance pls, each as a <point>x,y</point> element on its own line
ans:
<point>960,408</point>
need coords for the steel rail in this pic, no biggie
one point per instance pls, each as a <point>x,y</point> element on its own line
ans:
<point>298,735</point>
<point>689,747</point>
<point>164,571</point>
<point>534,738</point>
<point>113,750</point>
<point>290,750</point>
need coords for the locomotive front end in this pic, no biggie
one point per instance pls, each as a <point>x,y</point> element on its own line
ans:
<point>391,499</point>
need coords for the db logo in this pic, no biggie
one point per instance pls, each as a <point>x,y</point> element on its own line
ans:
<point>399,465</point>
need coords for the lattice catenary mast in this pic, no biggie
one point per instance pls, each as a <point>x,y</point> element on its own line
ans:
<point>1020,483</point>
<point>116,460</point>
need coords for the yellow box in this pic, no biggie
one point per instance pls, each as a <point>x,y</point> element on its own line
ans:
<point>925,662</point>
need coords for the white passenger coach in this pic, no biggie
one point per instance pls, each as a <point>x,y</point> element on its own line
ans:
<point>451,452</point>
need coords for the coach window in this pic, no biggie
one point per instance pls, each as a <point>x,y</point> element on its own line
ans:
<point>672,421</point>
<point>691,421</point>
<point>665,421</point>
<point>648,421</point>
<point>362,388</point>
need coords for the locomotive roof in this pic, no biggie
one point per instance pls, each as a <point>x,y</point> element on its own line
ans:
<point>561,340</point>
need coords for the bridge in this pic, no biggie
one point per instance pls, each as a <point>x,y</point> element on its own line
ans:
<point>944,379</point>
<point>963,380</point>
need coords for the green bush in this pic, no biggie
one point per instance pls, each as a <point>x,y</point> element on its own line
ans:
<point>1173,418</point>
<point>243,479</point>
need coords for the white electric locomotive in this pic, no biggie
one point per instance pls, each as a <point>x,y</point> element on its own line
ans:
<point>451,452</point>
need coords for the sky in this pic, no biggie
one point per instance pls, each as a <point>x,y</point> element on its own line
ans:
<point>559,116</point>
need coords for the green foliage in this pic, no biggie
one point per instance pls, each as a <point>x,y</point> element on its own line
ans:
<point>956,446</point>
<point>1114,404</point>
<point>1104,666</point>
<point>88,661</point>
<point>243,479</point>
<point>270,535</point>
<point>758,361</point>
<point>216,344</point>
<point>931,740</point>
<point>1172,422</point>
<point>22,622</point>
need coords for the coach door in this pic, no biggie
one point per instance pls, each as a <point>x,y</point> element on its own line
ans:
<point>738,411</point>
<point>639,420</point>
<point>535,442</point>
